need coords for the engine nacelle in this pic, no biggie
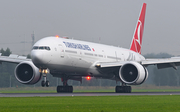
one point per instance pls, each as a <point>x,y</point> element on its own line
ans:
<point>27,73</point>
<point>133,73</point>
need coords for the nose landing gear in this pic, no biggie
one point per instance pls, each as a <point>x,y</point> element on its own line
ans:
<point>45,82</point>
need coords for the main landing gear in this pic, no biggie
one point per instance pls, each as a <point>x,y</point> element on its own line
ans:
<point>65,88</point>
<point>123,89</point>
<point>45,82</point>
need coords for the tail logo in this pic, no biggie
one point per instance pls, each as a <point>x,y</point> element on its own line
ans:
<point>137,38</point>
<point>138,33</point>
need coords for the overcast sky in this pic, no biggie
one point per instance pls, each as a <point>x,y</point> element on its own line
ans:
<point>113,21</point>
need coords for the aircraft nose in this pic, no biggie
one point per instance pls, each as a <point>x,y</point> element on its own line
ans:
<point>37,58</point>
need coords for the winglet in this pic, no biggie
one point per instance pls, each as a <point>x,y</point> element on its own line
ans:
<point>138,33</point>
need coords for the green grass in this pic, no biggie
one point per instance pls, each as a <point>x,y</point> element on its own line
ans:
<point>92,104</point>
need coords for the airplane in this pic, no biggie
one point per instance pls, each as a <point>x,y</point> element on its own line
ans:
<point>71,59</point>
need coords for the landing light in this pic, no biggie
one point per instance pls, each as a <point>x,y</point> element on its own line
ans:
<point>44,71</point>
<point>88,77</point>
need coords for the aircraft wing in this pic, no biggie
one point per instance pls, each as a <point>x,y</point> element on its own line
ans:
<point>13,58</point>
<point>161,63</point>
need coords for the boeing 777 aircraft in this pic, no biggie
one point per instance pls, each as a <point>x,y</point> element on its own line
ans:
<point>73,59</point>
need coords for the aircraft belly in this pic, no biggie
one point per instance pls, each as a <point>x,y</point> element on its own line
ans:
<point>78,70</point>
<point>67,69</point>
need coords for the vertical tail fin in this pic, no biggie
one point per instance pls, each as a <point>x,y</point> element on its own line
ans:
<point>138,33</point>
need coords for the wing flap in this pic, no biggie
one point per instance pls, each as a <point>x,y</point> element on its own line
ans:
<point>110,64</point>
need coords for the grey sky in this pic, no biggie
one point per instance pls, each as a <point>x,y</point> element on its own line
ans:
<point>111,20</point>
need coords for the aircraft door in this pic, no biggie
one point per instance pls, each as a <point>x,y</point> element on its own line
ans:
<point>61,51</point>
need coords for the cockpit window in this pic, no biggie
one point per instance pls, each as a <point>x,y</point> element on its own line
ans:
<point>47,48</point>
<point>41,48</point>
<point>35,47</point>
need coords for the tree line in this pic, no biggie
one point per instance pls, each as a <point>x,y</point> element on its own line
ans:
<point>158,77</point>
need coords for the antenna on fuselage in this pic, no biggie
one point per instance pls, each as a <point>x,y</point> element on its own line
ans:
<point>99,39</point>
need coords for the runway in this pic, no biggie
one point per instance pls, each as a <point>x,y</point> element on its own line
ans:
<point>84,94</point>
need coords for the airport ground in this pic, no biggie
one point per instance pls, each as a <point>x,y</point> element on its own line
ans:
<point>141,88</point>
<point>116,103</point>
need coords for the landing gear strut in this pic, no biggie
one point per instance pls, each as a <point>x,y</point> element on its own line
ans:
<point>45,82</point>
<point>65,88</point>
<point>123,89</point>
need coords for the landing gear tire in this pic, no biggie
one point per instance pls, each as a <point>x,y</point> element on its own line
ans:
<point>123,89</point>
<point>47,83</point>
<point>43,83</point>
<point>64,89</point>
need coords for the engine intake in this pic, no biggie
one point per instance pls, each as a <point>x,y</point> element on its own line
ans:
<point>133,73</point>
<point>27,73</point>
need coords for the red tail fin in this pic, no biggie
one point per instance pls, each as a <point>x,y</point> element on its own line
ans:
<point>137,38</point>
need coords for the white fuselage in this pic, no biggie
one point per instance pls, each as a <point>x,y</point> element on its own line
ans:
<point>68,56</point>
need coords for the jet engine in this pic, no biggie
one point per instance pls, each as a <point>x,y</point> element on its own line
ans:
<point>27,73</point>
<point>133,73</point>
